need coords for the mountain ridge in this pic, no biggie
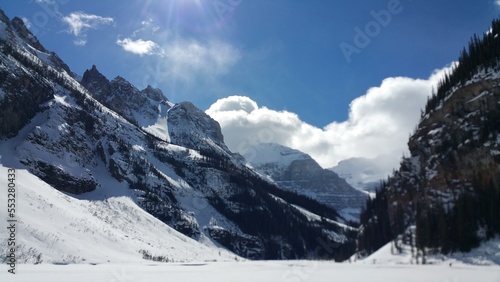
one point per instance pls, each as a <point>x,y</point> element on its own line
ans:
<point>183,174</point>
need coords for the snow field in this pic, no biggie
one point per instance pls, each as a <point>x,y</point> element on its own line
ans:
<point>57,228</point>
<point>276,271</point>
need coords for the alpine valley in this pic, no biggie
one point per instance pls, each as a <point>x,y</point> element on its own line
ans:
<point>107,172</point>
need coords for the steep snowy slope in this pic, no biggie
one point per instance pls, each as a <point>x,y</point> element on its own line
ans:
<point>296,171</point>
<point>53,227</point>
<point>488,253</point>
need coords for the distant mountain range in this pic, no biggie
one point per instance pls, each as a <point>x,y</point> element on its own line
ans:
<point>295,171</point>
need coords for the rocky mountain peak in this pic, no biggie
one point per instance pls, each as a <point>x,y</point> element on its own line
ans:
<point>26,35</point>
<point>97,84</point>
<point>122,87</point>
<point>3,17</point>
<point>92,75</point>
<point>188,121</point>
<point>154,94</point>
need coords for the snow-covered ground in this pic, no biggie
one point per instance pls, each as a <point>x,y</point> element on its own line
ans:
<point>99,240</point>
<point>488,253</point>
<point>53,227</point>
<point>275,271</point>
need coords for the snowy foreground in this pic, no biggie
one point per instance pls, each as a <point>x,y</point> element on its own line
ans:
<point>99,238</point>
<point>253,271</point>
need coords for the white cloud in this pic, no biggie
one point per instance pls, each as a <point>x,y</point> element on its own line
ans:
<point>187,59</point>
<point>27,22</point>
<point>80,22</point>
<point>497,2</point>
<point>80,41</point>
<point>139,46</point>
<point>379,123</point>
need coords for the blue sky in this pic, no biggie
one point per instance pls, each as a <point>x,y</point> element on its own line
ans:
<point>283,55</point>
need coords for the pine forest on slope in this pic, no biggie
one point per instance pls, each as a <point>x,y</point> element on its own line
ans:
<point>444,198</point>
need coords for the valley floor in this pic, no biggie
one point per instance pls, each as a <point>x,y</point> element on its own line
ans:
<point>275,271</point>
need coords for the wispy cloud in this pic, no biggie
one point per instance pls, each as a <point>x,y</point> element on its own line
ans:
<point>497,2</point>
<point>147,26</point>
<point>80,22</point>
<point>188,58</point>
<point>139,46</point>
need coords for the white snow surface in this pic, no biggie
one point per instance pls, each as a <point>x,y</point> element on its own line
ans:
<point>251,271</point>
<point>488,253</point>
<point>109,229</point>
<point>157,126</point>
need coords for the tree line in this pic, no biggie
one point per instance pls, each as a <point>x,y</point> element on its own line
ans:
<point>481,53</point>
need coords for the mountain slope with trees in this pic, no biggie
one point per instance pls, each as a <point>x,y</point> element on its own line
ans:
<point>444,198</point>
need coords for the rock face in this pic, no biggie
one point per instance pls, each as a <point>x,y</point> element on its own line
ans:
<point>102,139</point>
<point>25,34</point>
<point>96,83</point>
<point>192,128</point>
<point>182,124</point>
<point>139,107</point>
<point>445,195</point>
<point>295,171</point>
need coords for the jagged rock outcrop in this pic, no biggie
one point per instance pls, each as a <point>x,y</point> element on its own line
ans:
<point>139,107</point>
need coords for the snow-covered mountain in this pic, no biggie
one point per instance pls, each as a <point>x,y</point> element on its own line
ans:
<point>53,227</point>
<point>296,171</point>
<point>366,174</point>
<point>104,143</point>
